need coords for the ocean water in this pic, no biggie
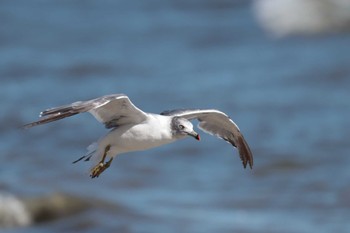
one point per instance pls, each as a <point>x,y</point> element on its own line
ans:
<point>290,98</point>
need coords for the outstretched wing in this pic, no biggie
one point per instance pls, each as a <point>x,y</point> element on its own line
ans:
<point>219,124</point>
<point>111,110</point>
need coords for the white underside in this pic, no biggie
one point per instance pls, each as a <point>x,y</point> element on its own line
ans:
<point>152,133</point>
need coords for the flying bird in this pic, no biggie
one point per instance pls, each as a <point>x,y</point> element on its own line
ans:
<point>132,129</point>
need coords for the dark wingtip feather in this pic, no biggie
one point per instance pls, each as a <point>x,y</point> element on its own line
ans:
<point>29,125</point>
<point>245,153</point>
<point>49,118</point>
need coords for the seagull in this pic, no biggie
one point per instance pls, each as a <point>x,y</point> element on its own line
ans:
<point>132,129</point>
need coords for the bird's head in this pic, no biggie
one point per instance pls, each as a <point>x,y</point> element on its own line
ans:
<point>182,127</point>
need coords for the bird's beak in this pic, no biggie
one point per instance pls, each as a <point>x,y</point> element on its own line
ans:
<point>195,135</point>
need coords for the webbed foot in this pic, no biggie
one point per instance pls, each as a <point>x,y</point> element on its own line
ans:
<point>101,166</point>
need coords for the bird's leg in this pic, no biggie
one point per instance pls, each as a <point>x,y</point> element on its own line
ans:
<point>101,166</point>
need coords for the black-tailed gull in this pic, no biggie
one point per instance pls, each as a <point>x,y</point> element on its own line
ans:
<point>134,130</point>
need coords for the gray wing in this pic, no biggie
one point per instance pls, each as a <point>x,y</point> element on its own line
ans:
<point>219,124</point>
<point>111,110</point>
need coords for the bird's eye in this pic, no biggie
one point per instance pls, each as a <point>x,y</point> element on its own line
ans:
<point>181,127</point>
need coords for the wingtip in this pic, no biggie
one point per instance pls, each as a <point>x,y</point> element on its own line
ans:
<point>250,164</point>
<point>245,153</point>
<point>30,125</point>
<point>26,126</point>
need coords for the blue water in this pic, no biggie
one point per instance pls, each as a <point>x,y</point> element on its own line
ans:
<point>290,98</point>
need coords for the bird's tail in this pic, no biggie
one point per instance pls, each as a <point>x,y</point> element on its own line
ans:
<point>92,152</point>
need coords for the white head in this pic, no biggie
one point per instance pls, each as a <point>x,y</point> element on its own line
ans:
<point>182,127</point>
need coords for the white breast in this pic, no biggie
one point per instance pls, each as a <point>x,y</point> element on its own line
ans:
<point>152,133</point>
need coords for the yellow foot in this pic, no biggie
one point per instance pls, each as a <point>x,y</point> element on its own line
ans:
<point>99,168</point>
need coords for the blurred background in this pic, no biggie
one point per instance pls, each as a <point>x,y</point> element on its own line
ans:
<point>279,68</point>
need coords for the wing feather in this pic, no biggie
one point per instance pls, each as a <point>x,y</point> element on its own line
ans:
<point>217,123</point>
<point>111,110</point>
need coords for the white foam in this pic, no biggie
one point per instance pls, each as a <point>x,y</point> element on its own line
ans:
<point>13,212</point>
